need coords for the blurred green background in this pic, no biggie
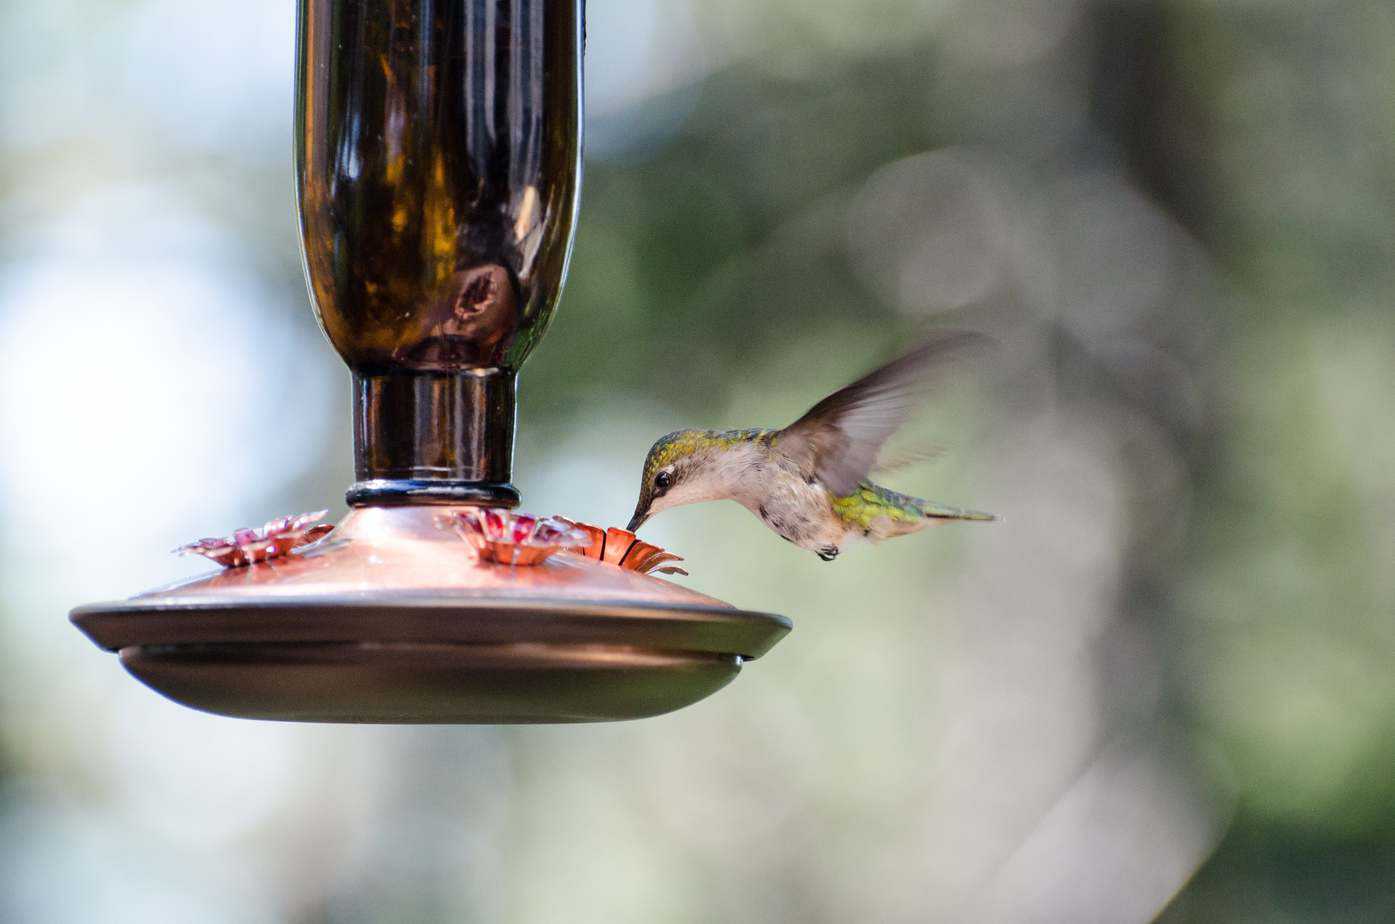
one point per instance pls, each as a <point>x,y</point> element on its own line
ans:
<point>1162,685</point>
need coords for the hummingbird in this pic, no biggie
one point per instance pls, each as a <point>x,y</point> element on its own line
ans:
<point>809,482</point>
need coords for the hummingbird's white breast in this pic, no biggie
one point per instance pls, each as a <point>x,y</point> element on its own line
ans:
<point>771,486</point>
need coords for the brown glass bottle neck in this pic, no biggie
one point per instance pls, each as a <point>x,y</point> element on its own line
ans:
<point>434,437</point>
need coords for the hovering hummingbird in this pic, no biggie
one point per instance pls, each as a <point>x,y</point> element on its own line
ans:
<point>809,482</point>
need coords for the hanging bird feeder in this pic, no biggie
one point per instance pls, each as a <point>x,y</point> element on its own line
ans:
<point>437,165</point>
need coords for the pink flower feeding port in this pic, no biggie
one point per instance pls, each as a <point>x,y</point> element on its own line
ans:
<point>514,538</point>
<point>437,155</point>
<point>249,546</point>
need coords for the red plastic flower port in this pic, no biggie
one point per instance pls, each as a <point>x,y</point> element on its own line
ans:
<point>623,548</point>
<point>249,546</point>
<point>513,538</point>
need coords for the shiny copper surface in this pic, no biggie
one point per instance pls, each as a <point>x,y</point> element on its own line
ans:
<point>385,550</point>
<point>429,683</point>
<point>393,618</point>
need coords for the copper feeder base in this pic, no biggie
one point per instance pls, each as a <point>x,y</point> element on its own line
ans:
<point>392,619</point>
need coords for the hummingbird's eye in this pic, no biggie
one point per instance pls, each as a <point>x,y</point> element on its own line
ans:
<point>663,480</point>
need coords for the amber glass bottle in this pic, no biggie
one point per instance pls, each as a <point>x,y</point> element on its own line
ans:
<point>438,147</point>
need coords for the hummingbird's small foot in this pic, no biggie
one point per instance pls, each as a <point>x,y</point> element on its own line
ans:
<point>828,552</point>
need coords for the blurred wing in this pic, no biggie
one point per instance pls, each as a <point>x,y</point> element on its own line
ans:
<point>839,439</point>
<point>905,458</point>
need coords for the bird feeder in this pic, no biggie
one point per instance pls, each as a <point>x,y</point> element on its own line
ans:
<point>438,161</point>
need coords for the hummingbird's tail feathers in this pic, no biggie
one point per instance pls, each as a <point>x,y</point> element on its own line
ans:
<point>933,511</point>
<point>882,513</point>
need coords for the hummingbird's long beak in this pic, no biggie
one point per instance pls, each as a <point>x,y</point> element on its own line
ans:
<point>641,514</point>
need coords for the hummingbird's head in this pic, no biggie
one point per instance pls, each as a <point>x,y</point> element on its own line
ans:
<point>680,469</point>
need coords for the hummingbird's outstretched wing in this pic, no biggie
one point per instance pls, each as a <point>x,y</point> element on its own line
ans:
<point>838,440</point>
